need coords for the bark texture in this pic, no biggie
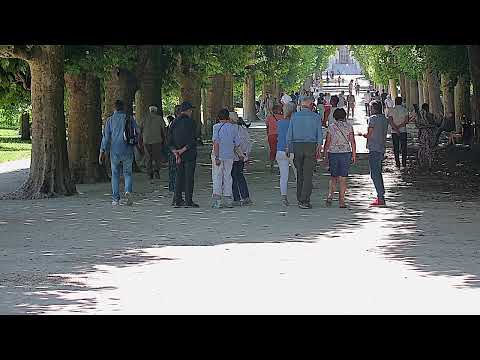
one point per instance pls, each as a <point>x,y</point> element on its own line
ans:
<point>474,58</point>
<point>249,111</point>
<point>425,89</point>
<point>392,83</point>
<point>407,93</point>
<point>447,85</point>
<point>49,170</point>
<point>414,92</point>
<point>190,90</point>
<point>25,129</point>
<point>402,87</point>
<point>214,101</point>
<point>228,91</point>
<point>119,85</point>
<point>84,128</point>
<point>462,100</point>
<point>421,99</point>
<point>434,100</point>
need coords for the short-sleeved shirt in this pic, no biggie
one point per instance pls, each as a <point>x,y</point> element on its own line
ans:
<point>341,101</point>
<point>271,123</point>
<point>351,99</point>
<point>331,119</point>
<point>379,124</point>
<point>398,114</point>
<point>226,135</point>
<point>339,132</point>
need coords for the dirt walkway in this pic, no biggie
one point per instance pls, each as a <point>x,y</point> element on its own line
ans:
<point>80,255</point>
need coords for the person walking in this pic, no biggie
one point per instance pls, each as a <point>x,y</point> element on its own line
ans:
<point>225,140</point>
<point>333,106</point>
<point>283,160</point>
<point>120,136</point>
<point>241,195</point>
<point>340,150</point>
<point>350,105</point>
<point>183,145</point>
<point>376,138</point>
<point>305,139</point>
<point>272,132</point>
<point>153,136</point>
<point>357,88</point>
<point>426,124</point>
<point>398,119</point>
<point>350,87</point>
<point>366,99</point>
<point>341,100</point>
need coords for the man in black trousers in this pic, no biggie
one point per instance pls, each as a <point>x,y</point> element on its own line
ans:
<point>183,144</point>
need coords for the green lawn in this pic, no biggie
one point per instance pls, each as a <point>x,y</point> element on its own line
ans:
<point>12,147</point>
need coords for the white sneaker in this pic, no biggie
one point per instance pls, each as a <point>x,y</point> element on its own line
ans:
<point>128,195</point>
<point>115,203</point>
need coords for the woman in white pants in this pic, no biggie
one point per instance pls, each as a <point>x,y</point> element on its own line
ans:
<point>284,159</point>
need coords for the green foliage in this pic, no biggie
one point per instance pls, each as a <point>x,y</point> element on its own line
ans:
<point>12,147</point>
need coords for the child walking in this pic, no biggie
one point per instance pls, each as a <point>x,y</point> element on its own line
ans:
<point>225,142</point>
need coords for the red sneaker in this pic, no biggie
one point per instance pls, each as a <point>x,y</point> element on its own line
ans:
<point>378,202</point>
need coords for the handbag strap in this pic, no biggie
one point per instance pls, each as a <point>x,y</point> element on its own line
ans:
<point>341,132</point>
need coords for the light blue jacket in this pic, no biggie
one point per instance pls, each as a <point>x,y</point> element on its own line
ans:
<point>305,127</point>
<point>113,135</point>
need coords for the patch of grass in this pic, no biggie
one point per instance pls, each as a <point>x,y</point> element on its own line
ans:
<point>12,147</point>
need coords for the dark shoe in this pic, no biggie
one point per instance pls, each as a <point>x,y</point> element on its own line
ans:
<point>179,204</point>
<point>191,205</point>
<point>304,205</point>
<point>328,202</point>
<point>157,175</point>
<point>150,176</point>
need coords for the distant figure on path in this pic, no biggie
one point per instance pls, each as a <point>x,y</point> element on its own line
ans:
<point>333,106</point>
<point>366,99</point>
<point>305,138</point>
<point>121,152</point>
<point>350,105</point>
<point>284,158</point>
<point>398,119</point>
<point>357,88</point>
<point>272,132</point>
<point>153,136</point>
<point>183,144</point>
<point>341,99</point>
<point>339,80</point>
<point>426,124</point>
<point>339,151</point>
<point>376,138</point>
<point>350,87</point>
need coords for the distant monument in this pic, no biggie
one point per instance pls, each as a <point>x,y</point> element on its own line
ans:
<point>344,63</point>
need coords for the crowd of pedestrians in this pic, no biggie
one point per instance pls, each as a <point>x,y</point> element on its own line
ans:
<point>295,126</point>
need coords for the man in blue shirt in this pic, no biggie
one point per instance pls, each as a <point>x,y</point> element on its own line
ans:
<point>120,152</point>
<point>305,138</point>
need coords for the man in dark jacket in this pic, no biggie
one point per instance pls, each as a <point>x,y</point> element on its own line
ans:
<point>182,143</point>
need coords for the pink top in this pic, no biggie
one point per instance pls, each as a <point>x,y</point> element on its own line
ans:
<point>272,124</point>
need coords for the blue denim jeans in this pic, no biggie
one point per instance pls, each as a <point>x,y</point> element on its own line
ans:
<point>375,159</point>
<point>239,183</point>
<point>117,161</point>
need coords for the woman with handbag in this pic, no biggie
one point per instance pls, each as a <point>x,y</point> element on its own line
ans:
<point>340,151</point>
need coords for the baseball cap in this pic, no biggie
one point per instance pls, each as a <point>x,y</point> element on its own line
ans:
<point>186,105</point>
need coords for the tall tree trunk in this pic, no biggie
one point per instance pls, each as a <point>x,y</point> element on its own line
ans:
<point>149,82</point>
<point>228,91</point>
<point>84,128</point>
<point>434,100</point>
<point>408,101</point>
<point>392,83</point>
<point>425,89</point>
<point>413,91</point>
<point>474,58</point>
<point>447,89</point>
<point>204,113</point>
<point>25,126</point>
<point>49,168</point>
<point>119,85</point>
<point>421,99</point>
<point>214,103</point>
<point>190,91</point>
<point>249,110</point>
<point>460,95</point>
<point>402,87</point>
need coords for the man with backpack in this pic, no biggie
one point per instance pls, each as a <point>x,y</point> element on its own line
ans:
<point>120,136</point>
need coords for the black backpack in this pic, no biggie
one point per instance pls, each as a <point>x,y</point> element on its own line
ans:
<point>130,133</point>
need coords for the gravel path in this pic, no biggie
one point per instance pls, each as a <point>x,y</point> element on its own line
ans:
<point>421,254</point>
